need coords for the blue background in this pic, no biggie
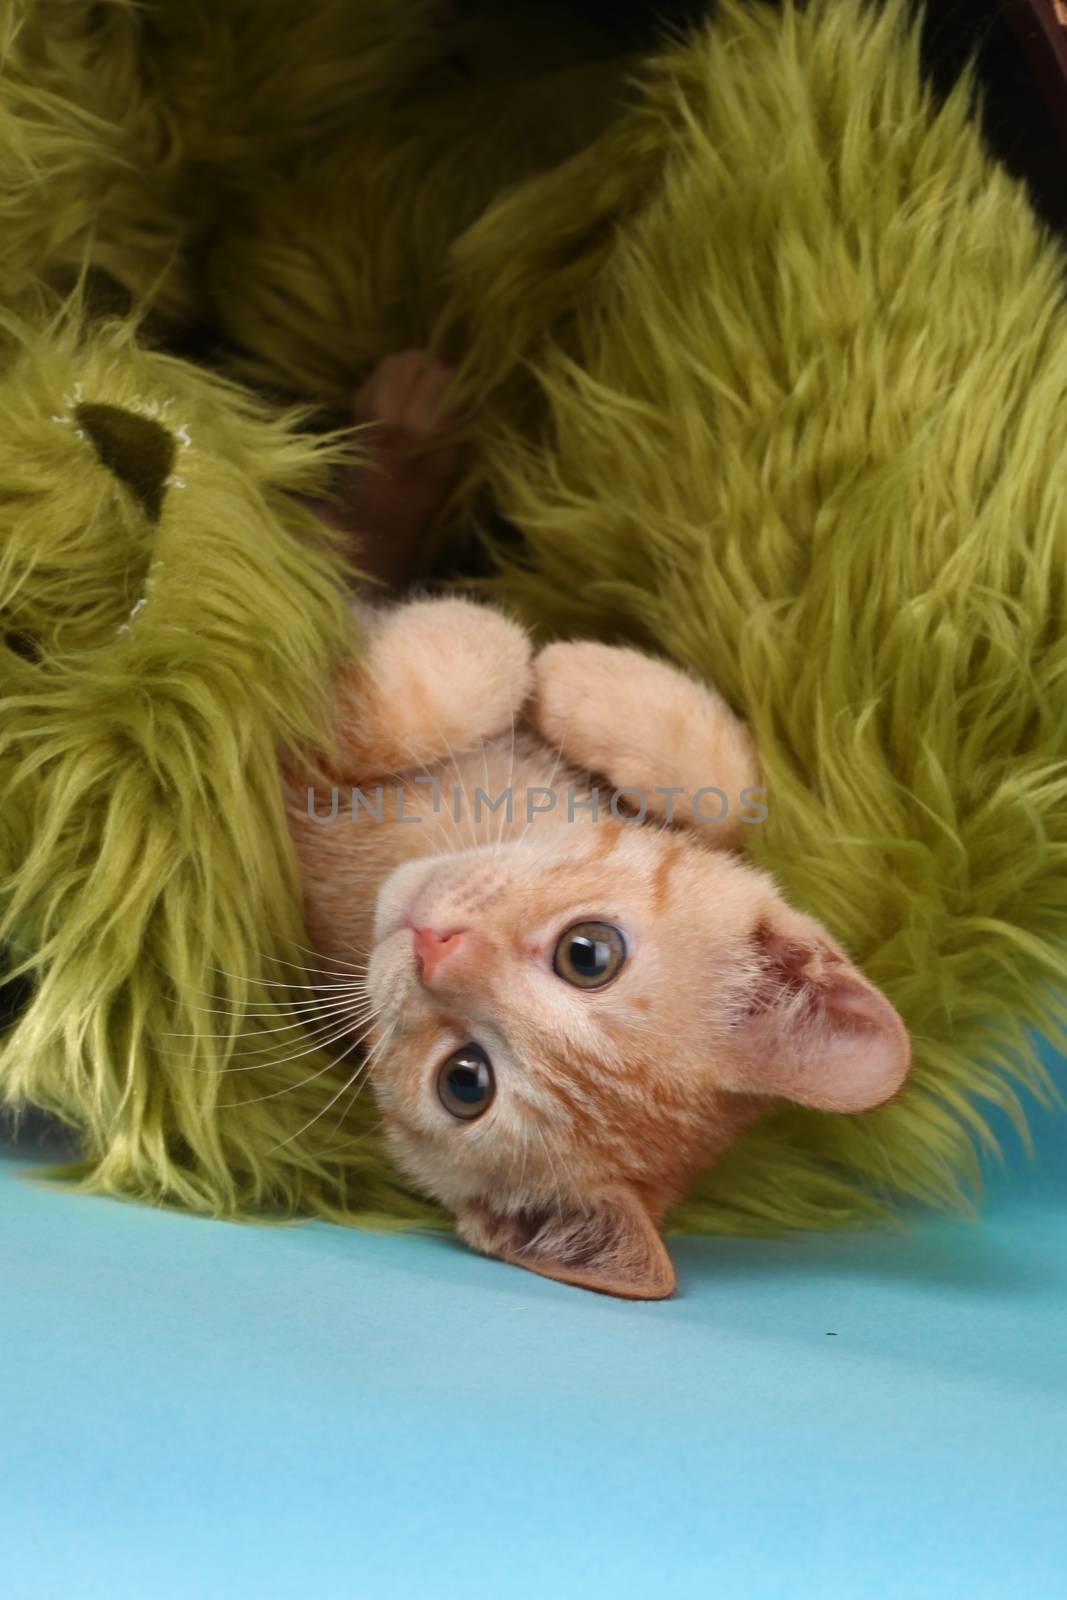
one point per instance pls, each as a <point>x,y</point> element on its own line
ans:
<point>198,1410</point>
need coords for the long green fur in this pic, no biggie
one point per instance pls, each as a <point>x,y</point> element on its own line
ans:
<point>152,670</point>
<point>766,373</point>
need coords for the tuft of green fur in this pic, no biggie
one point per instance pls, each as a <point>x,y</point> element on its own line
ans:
<point>326,263</point>
<point>132,129</point>
<point>764,363</point>
<point>153,665</point>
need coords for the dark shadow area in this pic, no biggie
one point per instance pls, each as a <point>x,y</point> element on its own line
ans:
<point>1019,79</point>
<point>14,996</point>
<point>36,1137</point>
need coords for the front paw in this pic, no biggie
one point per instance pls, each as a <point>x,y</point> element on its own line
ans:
<point>575,703</point>
<point>644,725</point>
<point>435,677</point>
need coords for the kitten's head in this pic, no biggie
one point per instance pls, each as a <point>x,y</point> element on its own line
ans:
<point>572,1029</point>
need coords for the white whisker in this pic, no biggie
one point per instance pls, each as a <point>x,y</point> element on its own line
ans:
<point>291,1088</point>
<point>329,1105</point>
<point>351,966</point>
<point>335,1008</point>
<point>273,983</point>
<point>316,1039</point>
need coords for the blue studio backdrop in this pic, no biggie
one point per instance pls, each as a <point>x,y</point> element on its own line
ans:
<point>193,1410</point>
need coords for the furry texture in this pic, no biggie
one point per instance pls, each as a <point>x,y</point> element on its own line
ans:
<point>149,669</point>
<point>766,375</point>
<point>135,129</point>
<point>320,269</point>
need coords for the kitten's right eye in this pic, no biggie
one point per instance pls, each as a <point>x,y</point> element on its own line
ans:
<point>589,954</point>
<point>465,1082</point>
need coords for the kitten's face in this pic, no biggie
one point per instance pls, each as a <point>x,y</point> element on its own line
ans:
<point>573,1028</point>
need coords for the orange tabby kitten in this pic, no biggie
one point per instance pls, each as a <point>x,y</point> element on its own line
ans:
<point>581,999</point>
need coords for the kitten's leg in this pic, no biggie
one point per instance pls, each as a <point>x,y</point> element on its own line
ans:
<point>645,724</point>
<point>387,503</point>
<point>433,678</point>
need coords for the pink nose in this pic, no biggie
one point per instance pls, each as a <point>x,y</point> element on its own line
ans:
<point>431,948</point>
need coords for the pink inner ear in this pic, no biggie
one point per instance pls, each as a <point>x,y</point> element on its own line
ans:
<point>815,1030</point>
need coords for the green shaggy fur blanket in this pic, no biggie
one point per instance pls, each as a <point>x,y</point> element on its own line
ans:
<point>758,350</point>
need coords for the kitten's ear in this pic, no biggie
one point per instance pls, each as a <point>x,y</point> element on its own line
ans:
<point>613,1247</point>
<point>813,1029</point>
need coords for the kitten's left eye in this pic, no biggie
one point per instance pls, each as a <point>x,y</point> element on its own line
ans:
<point>589,954</point>
<point>465,1082</point>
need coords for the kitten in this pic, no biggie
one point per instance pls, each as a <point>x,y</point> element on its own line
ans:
<point>576,1009</point>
